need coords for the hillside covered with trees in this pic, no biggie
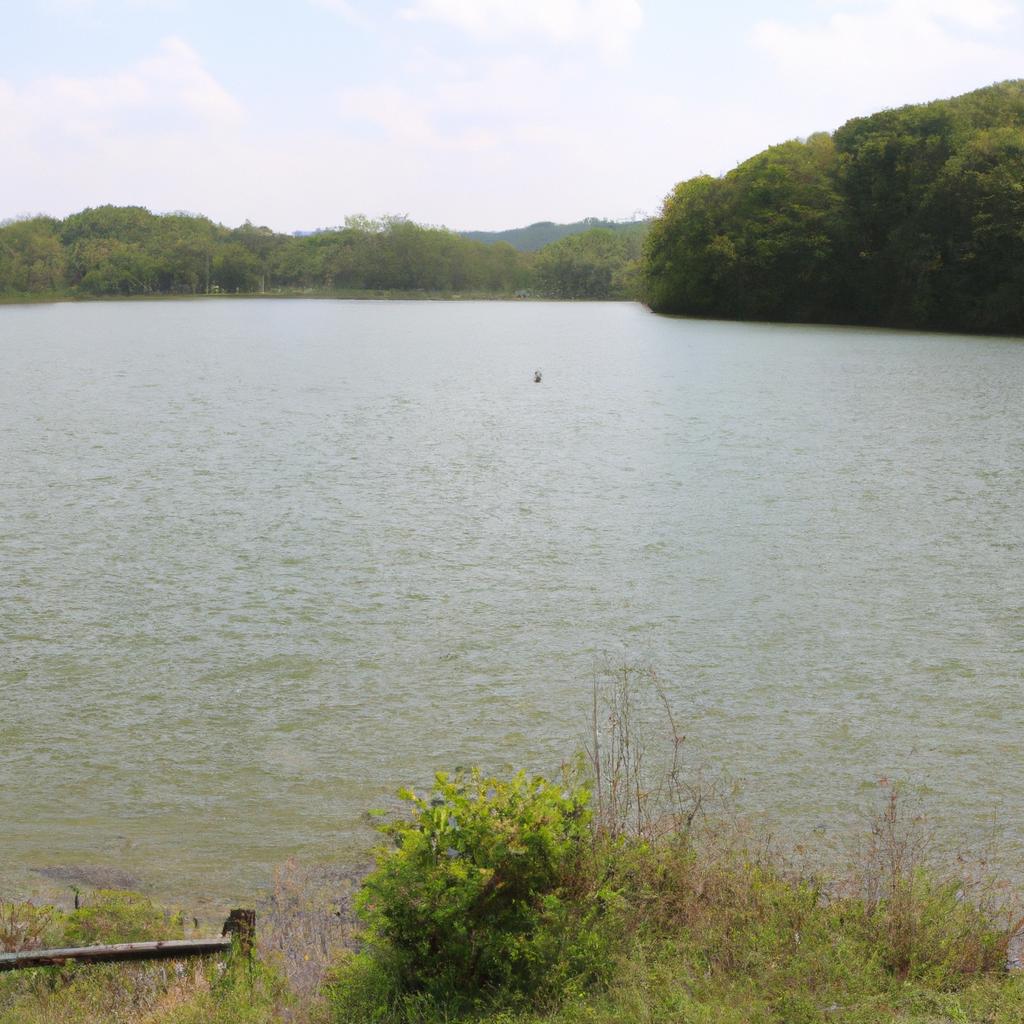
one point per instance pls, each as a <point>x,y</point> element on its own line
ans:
<point>911,217</point>
<point>127,251</point>
<point>544,232</point>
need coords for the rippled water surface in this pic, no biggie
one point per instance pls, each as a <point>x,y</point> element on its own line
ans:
<point>261,562</point>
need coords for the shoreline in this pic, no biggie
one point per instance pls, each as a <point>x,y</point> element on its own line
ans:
<point>362,295</point>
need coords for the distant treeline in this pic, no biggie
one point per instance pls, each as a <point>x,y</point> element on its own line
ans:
<point>911,217</point>
<point>128,251</point>
<point>544,232</point>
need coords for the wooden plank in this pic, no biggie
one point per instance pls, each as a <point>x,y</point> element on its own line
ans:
<point>121,951</point>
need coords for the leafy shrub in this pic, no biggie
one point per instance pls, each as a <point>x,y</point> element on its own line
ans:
<point>482,894</point>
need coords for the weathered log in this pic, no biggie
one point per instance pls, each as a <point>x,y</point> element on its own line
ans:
<point>121,951</point>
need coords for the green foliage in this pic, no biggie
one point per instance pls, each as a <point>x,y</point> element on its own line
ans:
<point>712,933</point>
<point>211,990</point>
<point>507,902</point>
<point>718,935</point>
<point>161,992</point>
<point>598,264</point>
<point>705,926</point>
<point>236,269</point>
<point>128,251</point>
<point>910,217</point>
<point>479,897</point>
<point>31,256</point>
<point>757,242</point>
<point>113,915</point>
<point>925,930</point>
<point>242,993</point>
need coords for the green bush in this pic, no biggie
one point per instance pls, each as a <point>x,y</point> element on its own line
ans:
<point>112,915</point>
<point>481,897</point>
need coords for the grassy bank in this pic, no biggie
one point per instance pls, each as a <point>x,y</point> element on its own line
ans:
<point>516,901</point>
<point>557,924</point>
<point>624,890</point>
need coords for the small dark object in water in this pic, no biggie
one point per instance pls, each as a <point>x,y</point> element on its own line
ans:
<point>536,376</point>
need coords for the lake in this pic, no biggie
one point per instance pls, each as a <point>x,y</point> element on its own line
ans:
<point>264,561</point>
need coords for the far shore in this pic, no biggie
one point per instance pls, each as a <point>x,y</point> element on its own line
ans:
<point>50,298</point>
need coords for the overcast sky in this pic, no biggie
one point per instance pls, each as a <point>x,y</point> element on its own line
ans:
<point>469,113</point>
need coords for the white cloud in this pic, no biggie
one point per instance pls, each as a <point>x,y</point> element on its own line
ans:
<point>119,137</point>
<point>177,77</point>
<point>401,116</point>
<point>886,52</point>
<point>168,88</point>
<point>484,141</point>
<point>609,24</point>
<point>343,7</point>
<point>494,141</point>
<point>474,105</point>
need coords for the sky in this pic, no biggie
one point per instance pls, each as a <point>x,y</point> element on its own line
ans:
<point>474,114</point>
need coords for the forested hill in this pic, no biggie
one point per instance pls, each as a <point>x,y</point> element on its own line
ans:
<point>911,217</point>
<point>536,236</point>
<point>129,251</point>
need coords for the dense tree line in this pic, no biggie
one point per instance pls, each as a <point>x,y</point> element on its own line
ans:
<point>911,217</point>
<point>597,264</point>
<point>128,251</point>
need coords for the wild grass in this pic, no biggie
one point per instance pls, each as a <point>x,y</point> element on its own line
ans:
<point>626,891</point>
<point>305,922</point>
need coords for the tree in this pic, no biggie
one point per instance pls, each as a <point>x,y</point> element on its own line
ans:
<point>31,256</point>
<point>591,265</point>
<point>235,269</point>
<point>910,217</point>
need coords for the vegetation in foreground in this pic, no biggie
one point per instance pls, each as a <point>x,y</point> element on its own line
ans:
<point>608,895</point>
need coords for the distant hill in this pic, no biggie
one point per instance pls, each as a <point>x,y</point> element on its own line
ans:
<point>536,236</point>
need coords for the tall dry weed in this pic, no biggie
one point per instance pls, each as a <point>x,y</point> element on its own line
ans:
<point>643,786</point>
<point>22,925</point>
<point>306,920</point>
<point>928,918</point>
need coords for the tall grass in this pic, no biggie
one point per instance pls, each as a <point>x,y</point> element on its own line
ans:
<point>626,891</point>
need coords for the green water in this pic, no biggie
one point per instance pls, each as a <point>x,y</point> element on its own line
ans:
<point>262,562</point>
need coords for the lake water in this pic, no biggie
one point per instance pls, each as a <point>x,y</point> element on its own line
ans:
<point>262,562</point>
